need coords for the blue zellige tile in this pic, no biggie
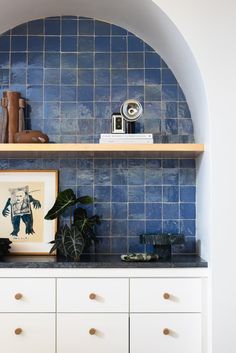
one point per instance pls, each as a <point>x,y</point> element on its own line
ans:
<point>20,30</point>
<point>52,27</point>
<point>69,43</point>
<point>18,43</point>
<point>52,60</point>
<point>69,60</point>
<point>102,28</point>
<point>35,43</point>
<point>4,60</point>
<point>85,44</point>
<point>102,76</point>
<point>68,76</point>
<point>102,44</point>
<point>35,76</point>
<point>36,27</point>
<point>4,43</point>
<point>86,27</point>
<point>51,76</point>
<point>69,27</point>
<point>52,43</point>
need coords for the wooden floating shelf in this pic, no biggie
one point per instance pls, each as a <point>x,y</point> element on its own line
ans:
<point>180,149</point>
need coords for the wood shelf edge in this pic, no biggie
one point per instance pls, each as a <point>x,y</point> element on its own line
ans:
<point>89,147</point>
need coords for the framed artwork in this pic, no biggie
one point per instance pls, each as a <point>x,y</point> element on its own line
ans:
<point>25,198</point>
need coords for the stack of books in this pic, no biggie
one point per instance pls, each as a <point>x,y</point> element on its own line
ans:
<point>126,138</point>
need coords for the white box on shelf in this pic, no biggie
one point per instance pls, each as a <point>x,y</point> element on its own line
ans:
<point>126,138</point>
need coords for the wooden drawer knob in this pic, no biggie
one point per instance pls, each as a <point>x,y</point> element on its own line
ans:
<point>166,296</point>
<point>166,331</point>
<point>18,296</point>
<point>92,296</point>
<point>92,331</point>
<point>18,331</point>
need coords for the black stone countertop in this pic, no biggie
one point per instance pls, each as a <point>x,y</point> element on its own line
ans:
<point>99,261</point>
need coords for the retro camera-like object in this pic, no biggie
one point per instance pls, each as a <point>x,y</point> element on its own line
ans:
<point>131,110</point>
<point>118,124</point>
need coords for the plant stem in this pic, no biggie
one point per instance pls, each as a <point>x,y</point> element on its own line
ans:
<point>70,217</point>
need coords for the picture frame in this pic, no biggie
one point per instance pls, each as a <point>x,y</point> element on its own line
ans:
<point>25,198</point>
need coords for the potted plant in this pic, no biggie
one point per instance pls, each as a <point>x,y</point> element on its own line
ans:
<point>72,239</point>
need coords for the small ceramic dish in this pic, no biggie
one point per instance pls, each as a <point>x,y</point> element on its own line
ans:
<point>139,257</point>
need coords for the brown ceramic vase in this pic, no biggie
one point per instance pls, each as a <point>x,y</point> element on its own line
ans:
<point>31,136</point>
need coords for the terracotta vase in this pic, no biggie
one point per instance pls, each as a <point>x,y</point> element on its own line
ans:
<point>31,136</point>
<point>12,106</point>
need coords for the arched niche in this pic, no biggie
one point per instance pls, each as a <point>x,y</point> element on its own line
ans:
<point>149,22</point>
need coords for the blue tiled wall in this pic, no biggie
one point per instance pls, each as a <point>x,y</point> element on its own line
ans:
<point>74,73</point>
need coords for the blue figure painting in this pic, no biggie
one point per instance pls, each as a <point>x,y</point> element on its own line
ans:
<point>19,206</point>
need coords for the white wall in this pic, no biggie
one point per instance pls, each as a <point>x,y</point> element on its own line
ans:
<point>209,55</point>
<point>209,27</point>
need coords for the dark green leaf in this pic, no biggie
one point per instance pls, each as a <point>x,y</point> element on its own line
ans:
<point>80,214</point>
<point>69,242</point>
<point>60,238</point>
<point>85,200</point>
<point>64,200</point>
<point>54,248</point>
<point>74,243</point>
<point>95,219</point>
<point>86,224</point>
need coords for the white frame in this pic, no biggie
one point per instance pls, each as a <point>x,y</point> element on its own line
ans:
<point>50,178</point>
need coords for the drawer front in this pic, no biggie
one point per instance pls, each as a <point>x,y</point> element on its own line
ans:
<point>162,333</point>
<point>165,295</point>
<point>92,295</point>
<point>100,333</point>
<point>27,295</point>
<point>37,336</point>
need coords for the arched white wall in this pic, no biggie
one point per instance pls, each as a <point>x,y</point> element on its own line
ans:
<point>209,27</point>
<point>196,39</point>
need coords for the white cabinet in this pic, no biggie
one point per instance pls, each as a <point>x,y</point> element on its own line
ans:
<point>165,333</point>
<point>165,295</point>
<point>27,295</point>
<point>103,310</point>
<point>100,333</point>
<point>165,315</point>
<point>92,295</point>
<point>27,333</point>
<point>91,315</point>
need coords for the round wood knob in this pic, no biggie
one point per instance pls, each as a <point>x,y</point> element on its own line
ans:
<point>18,296</point>
<point>166,296</point>
<point>92,331</point>
<point>92,296</point>
<point>18,331</point>
<point>166,331</point>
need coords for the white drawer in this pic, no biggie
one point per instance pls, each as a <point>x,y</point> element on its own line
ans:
<point>110,333</point>
<point>37,336</point>
<point>27,295</point>
<point>147,333</point>
<point>165,295</point>
<point>92,295</point>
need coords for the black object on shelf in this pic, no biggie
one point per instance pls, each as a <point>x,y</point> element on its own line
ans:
<point>4,246</point>
<point>131,127</point>
<point>162,243</point>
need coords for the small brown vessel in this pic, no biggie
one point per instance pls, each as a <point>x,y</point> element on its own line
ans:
<point>30,136</point>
